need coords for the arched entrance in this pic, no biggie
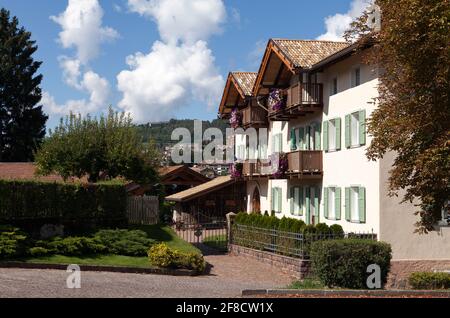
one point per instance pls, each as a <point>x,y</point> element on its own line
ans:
<point>256,201</point>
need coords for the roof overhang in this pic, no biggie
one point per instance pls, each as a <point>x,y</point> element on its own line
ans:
<point>275,71</point>
<point>233,96</point>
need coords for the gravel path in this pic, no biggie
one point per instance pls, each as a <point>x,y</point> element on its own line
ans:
<point>228,277</point>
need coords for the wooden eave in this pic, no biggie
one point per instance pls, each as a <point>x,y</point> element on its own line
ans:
<point>273,50</point>
<point>238,101</point>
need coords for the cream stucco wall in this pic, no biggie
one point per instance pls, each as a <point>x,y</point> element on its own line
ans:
<point>397,225</point>
<point>350,167</point>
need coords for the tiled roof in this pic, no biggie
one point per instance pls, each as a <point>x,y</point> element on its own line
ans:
<point>213,185</point>
<point>246,81</point>
<point>306,53</point>
<point>26,171</point>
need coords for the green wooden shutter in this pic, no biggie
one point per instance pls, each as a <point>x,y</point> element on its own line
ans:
<point>362,127</point>
<point>308,139</point>
<point>317,204</point>
<point>347,131</point>
<point>347,204</point>
<point>292,200</point>
<point>337,203</point>
<point>325,135</point>
<point>337,124</point>
<point>300,200</point>
<point>362,204</point>
<point>273,199</point>
<point>280,203</point>
<point>325,202</point>
<point>317,137</point>
<point>308,205</point>
<point>293,140</point>
<point>301,138</point>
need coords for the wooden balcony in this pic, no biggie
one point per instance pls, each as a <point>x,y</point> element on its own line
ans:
<point>301,99</point>
<point>254,116</point>
<point>305,164</point>
<point>253,170</point>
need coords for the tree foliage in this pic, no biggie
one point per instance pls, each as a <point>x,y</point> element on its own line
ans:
<point>108,146</point>
<point>22,123</point>
<point>413,116</point>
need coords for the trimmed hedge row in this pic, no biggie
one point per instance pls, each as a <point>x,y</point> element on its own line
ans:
<point>35,200</point>
<point>287,224</point>
<point>344,263</point>
<point>429,281</point>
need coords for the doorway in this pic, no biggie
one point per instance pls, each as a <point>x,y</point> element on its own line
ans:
<point>256,201</point>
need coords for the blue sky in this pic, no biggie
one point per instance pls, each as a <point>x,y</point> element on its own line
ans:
<point>197,48</point>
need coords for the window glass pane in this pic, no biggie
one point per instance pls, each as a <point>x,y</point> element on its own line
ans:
<point>357,76</point>
<point>331,202</point>
<point>354,204</point>
<point>354,129</point>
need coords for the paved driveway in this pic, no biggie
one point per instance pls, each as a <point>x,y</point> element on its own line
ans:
<point>228,277</point>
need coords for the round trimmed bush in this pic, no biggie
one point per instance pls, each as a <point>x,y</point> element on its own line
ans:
<point>343,263</point>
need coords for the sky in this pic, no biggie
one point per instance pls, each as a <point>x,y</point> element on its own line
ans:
<point>161,59</point>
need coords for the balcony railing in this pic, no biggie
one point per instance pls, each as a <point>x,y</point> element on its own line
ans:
<point>254,116</point>
<point>252,169</point>
<point>305,162</point>
<point>304,94</point>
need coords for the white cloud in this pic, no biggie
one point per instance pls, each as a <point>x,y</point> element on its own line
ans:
<point>256,55</point>
<point>180,68</point>
<point>183,20</point>
<point>98,89</point>
<point>337,24</point>
<point>82,28</point>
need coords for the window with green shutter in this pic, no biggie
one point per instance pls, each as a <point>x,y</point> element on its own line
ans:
<point>308,204</point>
<point>301,138</point>
<point>337,203</point>
<point>317,205</point>
<point>317,136</point>
<point>347,131</point>
<point>277,200</point>
<point>295,199</point>
<point>362,127</point>
<point>325,202</point>
<point>362,204</point>
<point>293,140</point>
<point>337,124</point>
<point>347,204</point>
<point>325,135</point>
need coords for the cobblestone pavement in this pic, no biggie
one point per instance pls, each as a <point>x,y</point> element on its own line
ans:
<point>228,277</point>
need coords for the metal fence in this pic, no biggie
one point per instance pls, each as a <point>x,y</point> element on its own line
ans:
<point>212,235</point>
<point>285,243</point>
<point>143,210</point>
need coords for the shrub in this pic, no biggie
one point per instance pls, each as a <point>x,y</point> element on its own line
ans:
<point>343,263</point>
<point>12,242</point>
<point>429,281</point>
<point>38,251</point>
<point>72,246</point>
<point>162,255</point>
<point>337,231</point>
<point>323,229</point>
<point>124,242</point>
<point>34,200</point>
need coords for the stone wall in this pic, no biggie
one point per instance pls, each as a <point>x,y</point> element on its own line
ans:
<point>297,268</point>
<point>400,270</point>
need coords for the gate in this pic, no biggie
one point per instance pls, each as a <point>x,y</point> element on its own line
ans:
<point>143,210</point>
<point>209,237</point>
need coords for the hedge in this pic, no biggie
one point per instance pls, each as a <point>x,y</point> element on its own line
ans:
<point>35,200</point>
<point>429,281</point>
<point>343,263</point>
<point>285,236</point>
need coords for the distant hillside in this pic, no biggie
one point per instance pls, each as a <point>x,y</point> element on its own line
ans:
<point>161,132</point>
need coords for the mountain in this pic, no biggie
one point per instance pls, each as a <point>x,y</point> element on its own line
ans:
<point>161,132</point>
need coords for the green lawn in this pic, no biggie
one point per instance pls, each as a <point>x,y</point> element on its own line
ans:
<point>159,233</point>
<point>218,242</point>
<point>307,283</point>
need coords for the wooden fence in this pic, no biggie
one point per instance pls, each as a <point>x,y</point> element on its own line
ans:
<point>143,210</point>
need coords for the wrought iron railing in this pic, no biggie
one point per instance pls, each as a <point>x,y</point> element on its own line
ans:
<point>285,243</point>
